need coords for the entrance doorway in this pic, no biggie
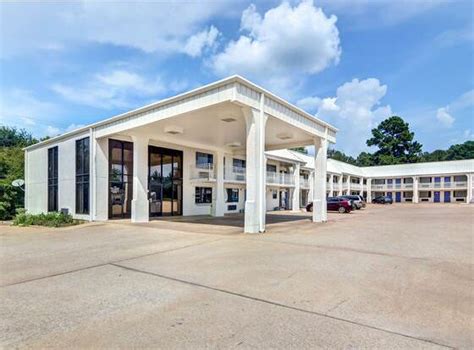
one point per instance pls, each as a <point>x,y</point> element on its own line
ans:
<point>120,179</point>
<point>165,181</point>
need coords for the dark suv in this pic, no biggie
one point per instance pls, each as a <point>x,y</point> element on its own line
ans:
<point>339,204</point>
<point>383,200</point>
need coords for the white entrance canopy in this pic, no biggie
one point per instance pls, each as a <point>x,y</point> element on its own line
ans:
<point>232,115</point>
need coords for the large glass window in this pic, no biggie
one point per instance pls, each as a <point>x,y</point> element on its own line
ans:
<point>203,195</point>
<point>82,176</point>
<point>120,178</point>
<point>53,179</point>
<point>204,160</point>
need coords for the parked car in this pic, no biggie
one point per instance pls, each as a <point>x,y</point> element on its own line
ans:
<point>383,200</point>
<point>357,200</point>
<point>339,204</point>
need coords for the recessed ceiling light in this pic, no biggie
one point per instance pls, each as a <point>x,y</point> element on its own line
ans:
<point>285,136</point>
<point>229,119</point>
<point>234,144</point>
<point>174,130</point>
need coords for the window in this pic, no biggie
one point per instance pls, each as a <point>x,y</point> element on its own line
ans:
<point>82,176</point>
<point>408,194</point>
<point>271,168</point>
<point>274,194</point>
<point>425,194</point>
<point>459,194</point>
<point>232,195</point>
<point>238,163</point>
<point>204,159</point>
<point>203,195</point>
<point>53,179</point>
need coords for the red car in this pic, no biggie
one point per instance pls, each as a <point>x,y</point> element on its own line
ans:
<point>341,205</point>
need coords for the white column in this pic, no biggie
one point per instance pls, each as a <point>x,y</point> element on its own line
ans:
<point>140,203</point>
<point>331,185</point>
<point>340,184</point>
<point>369,191</point>
<point>348,185</point>
<point>296,190</point>
<point>218,207</point>
<point>311,186</point>
<point>469,188</point>
<point>319,180</point>
<point>415,189</point>
<point>255,172</point>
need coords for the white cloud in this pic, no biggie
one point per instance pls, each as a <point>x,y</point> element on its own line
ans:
<point>445,114</point>
<point>206,39</point>
<point>282,46</point>
<point>115,89</point>
<point>309,104</point>
<point>145,25</point>
<point>21,108</point>
<point>355,110</point>
<point>444,117</point>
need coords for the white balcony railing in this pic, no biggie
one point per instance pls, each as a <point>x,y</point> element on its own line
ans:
<point>202,172</point>
<point>235,174</point>
<point>356,186</point>
<point>287,179</point>
<point>304,183</point>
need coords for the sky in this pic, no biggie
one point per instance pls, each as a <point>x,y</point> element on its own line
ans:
<point>352,63</point>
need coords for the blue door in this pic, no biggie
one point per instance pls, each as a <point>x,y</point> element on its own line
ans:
<point>398,197</point>
<point>389,194</point>
<point>447,196</point>
<point>436,197</point>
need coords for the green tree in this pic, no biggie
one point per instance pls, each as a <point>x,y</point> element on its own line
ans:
<point>395,143</point>
<point>341,156</point>
<point>365,159</point>
<point>12,141</point>
<point>461,151</point>
<point>300,149</point>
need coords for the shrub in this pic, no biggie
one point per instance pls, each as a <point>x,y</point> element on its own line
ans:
<point>53,219</point>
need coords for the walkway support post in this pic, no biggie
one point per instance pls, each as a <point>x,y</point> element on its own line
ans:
<point>219,201</point>
<point>296,190</point>
<point>369,191</point>
<point>415,190</point>
<point>319,180</point>
<point>331,185</point>
<point>140,203</point>
<point>255,170</point>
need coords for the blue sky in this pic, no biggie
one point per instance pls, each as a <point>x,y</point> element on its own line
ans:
<point>353,63</point>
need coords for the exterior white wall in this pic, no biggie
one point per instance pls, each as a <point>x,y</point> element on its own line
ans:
<point>36,177</point>
<point>36,185</point>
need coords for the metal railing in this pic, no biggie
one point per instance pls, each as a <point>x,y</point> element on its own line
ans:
<point>304,183</point>
<point>235,174</point>
<point>203,172</point>
<point>280,178</point>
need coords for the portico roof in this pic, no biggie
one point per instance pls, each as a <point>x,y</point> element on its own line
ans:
<point>234,89</point>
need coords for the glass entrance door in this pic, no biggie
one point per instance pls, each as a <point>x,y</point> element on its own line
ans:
<point>165,181</point>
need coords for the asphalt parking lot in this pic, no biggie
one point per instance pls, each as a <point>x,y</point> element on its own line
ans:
<point>397,276</point>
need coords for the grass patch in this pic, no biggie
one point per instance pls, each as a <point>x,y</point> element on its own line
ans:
<point>53,219</point>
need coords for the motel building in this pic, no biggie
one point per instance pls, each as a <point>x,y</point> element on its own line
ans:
<point>219,149</point>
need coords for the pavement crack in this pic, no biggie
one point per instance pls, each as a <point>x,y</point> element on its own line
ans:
<point>336,306</point>
<point>108,263</point>
<point>274,303</point>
